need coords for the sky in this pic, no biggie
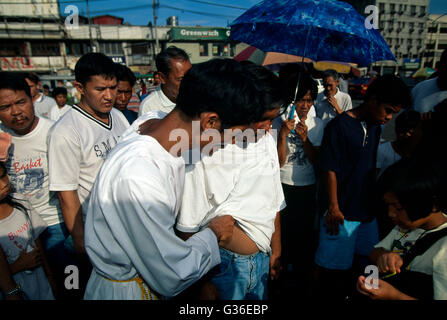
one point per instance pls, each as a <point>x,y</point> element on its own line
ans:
<point>218,13</point>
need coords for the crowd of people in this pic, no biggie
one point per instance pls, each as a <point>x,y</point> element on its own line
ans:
<point>231,182</point>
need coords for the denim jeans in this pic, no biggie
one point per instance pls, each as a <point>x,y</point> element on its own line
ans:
<point>241,277</point>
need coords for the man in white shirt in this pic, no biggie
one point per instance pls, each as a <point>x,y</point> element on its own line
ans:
<point>27,167</point>
<point>331,102</point>
<point>243,181</point>
<point>80,141</point>
<point>42,103</point>
<point>172,64</point>
<point>136,197</point>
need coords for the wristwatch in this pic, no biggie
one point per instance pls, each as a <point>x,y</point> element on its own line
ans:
<point>17,289</point>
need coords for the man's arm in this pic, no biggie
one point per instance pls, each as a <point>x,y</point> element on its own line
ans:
<point>334,216</point>
<point>72,214</point>
<point>275,263</point>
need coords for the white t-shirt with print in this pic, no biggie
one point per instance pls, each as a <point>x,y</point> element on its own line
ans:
<point>78,145</point>
<point>386,156</point>
<point>18,232</point>
<point>27,168</point>
<point>297,170</point>
<point>241,182</point>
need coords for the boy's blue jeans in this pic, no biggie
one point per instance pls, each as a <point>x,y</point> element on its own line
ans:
<point>241,277</point>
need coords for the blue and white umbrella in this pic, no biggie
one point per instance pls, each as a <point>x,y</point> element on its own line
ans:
<point>315,29</point>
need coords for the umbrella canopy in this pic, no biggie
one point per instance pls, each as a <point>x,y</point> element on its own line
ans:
<point>423,73</point>
<point>340,67</point>
<point>262,58</point>
<point>316,29</point>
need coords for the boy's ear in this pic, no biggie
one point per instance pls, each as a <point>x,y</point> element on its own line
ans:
<point>209,120</point>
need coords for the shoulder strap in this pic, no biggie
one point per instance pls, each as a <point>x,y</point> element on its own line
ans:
<point>422,245</point>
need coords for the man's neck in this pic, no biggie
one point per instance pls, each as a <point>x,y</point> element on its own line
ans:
<point>160,130</point>
<point>37,96</point>
<point>437,219</point>
<point>172,99</point>
<point>103,117</point>
<point>358,113</point>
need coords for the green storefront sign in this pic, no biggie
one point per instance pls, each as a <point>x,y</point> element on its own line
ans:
<point>199,33</point>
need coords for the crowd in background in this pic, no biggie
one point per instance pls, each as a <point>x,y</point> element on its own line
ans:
<point>87,180</point>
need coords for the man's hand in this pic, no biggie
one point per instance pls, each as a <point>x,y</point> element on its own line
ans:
<point>275,267</point>
<point>222,227</point>
<point>333,219</point>
<point>389,262</point>
<point>208,292</point>
<point>334,103</point>
<point>385,291</point>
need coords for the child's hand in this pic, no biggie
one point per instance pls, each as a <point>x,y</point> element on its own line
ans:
<point>27,260</point>
<point>389,262</point>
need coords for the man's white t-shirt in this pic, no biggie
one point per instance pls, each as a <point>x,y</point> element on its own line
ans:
<point>156,101</point>
<point>57,112</point>
<point>432,262</point>
<point>43,106</point>
<point>241,182</point>
<point>386,156</point>
<point>131,215</point>
<point>28,170</point>
<point>325,111</point>
<point>426,95</point>
<point>78,145</point>
<point>297,170</point>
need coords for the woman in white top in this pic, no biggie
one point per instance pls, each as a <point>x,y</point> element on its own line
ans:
<point>298,142</point>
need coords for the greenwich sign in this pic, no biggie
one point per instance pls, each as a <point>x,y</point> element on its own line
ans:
<point>199,33</point>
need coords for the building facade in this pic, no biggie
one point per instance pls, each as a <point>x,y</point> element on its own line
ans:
<point>403,25</point>
<point>436,40</point>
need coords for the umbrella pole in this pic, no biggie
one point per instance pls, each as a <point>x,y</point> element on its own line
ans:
<point>298,82</point>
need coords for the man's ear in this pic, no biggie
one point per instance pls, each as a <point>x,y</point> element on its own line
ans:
<point>209,120</point>
<point>79,87</point>
<point>162,77</point>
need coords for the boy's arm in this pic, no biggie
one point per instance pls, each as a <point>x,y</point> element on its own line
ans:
<point>275,263</point>
<point>334,216</point>
<point>72,214</point>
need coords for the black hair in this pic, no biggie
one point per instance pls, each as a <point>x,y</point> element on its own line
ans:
<point>33,77</point>
<point>331,73</point>
<point>418,183</point>
<point>407,120</point>
<point>222,86</point>
<point>272,93</point>
<point>15,82</point>
<point>306,84</point>
<point>45,86</point>
<point>94,64</point>
<point>389,89</point>
<point>59,90</point>
<point>9,199</point>
<point>125,74</point>
<point>163,59</point>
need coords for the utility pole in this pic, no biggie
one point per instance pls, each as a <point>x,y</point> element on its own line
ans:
<point>92,47</point>
<point>154,5</point>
